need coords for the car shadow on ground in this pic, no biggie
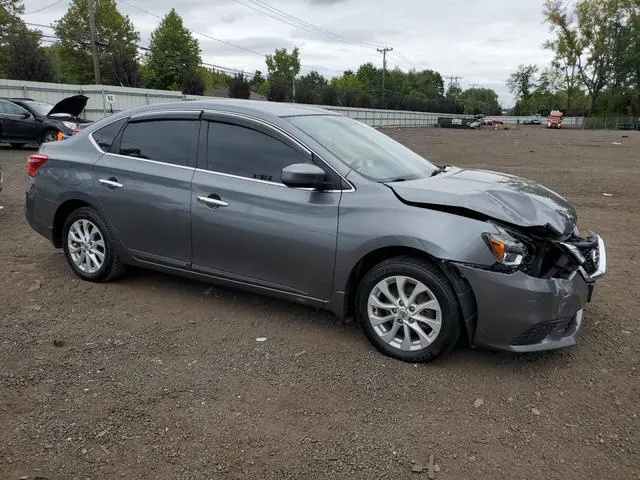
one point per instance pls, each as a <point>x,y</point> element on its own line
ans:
<point>289,314</point>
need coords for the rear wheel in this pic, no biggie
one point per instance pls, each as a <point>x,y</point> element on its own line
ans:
<point>408,310</point>
<point>89,248</point>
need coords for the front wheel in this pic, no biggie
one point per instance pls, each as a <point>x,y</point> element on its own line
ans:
<point>408,310</point>
<point>49,136</point>
<point>89,248</point>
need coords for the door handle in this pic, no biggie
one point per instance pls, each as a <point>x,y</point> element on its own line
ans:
<point>212,202</point>
<point>111,183</point>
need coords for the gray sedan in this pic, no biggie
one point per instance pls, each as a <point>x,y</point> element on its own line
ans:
<point>310,206</point>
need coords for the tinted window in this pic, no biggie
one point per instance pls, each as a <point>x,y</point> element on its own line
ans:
<point>9,108</point>
<point>168,141</point>
<point>105,136</point>
<point>248,153</point>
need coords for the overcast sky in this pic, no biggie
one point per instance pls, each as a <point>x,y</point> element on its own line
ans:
<point>482,41</point>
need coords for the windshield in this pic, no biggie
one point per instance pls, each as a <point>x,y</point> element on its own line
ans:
<point>41,108</point>
<point>366,150</point>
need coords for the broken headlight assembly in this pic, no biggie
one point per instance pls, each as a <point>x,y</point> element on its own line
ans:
<point>510,251</point>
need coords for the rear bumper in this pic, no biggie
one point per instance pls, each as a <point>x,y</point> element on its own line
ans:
<point>520,313</point>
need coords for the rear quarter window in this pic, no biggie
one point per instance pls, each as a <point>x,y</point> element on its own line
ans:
<point>106,135</point>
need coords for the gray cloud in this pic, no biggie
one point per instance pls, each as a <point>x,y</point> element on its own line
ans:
<point>482,41</point>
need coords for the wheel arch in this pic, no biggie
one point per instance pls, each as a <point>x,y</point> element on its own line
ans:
<point>462,289</point>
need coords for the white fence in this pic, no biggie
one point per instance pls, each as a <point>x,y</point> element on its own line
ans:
<point>126,98</point>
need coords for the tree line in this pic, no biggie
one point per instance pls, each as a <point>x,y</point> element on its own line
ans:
<point>596,64</point>
<point>173,61</point>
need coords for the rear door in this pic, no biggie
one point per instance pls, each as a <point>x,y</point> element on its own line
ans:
<point>143,182</point>
<point>16,123</point>
<point>247,225</point>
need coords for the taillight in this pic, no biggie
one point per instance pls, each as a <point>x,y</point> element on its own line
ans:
<point>34,162</point>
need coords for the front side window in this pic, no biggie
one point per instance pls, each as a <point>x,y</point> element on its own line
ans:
<point>364,149</point>
<point>9,108</point>
<point>245,152</point>
<point>168,141</point>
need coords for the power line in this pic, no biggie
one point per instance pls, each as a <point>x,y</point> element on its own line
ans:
<point>43,8</point>
<point>284,17</point>
<point>198,33</point>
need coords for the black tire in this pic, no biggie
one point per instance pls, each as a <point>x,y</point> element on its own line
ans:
<point>436,282</point>
<point>111,267</point>
<point>17,146</point>
<point>49,136</point>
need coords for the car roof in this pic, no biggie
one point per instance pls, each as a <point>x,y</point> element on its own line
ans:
<point>255,107</point>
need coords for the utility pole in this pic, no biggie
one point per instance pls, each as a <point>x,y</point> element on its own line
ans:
<point>453,80</point>
<point>384,51</point>
<point>94,40</point>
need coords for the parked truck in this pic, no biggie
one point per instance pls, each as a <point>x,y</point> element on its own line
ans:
<point>555,119</point>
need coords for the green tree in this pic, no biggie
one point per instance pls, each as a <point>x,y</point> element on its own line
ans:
<point>594,34</point>
<point>309,87</point>
<point>282,68</point>
<point>239,87</point>
<point>257,81</point>
<point>117,44</point>
<point>480,100</point>
<point>27,59</point>
<point>522,82</point>
<point>9,25</point>
<point>173,54</point>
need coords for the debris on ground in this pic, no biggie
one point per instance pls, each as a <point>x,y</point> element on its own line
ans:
<point>417,468</point>
<point>478,403</point>
<point>261,339</point>
<point>535,411</point>
<point>35,287</point>
<point>607,194</point>
<point>299,354</point>
<point>58,343</point>
<point>431,473</point>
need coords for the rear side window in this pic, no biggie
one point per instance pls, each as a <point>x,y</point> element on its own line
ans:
<point>168,141</point>
<point>245,152</point>
<point>106,135</point>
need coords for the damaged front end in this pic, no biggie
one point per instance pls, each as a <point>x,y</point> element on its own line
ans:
<point>533,297</point>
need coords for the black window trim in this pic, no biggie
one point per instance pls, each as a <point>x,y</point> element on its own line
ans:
<point>194,115</point>
<point>275,131</point>
<point>15,105</point>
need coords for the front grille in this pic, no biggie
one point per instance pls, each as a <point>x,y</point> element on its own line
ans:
<point>592,259</point>
<point>541,331</point>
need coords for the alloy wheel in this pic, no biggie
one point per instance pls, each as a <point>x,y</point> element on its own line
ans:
<point>87,247</point>
<point>404,313</point>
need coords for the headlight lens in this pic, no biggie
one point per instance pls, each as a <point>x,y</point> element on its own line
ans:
<point>507,250</point>
<point>70,125</point>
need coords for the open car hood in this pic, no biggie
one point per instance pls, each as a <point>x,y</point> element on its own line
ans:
<point>72,106</point>
<point>499,196</point>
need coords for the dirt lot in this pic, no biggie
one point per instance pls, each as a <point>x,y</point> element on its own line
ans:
<point>160,378</point>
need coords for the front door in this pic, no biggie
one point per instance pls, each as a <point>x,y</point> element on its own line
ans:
<point>143,183</point>
<point>249,227</point>
<point>16,123</point>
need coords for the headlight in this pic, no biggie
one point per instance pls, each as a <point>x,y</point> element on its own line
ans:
<point>70,125</point>
<point>507,250</point>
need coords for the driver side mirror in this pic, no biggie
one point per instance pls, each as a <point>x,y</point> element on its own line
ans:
<point>303,175</point>
<point>26,115</point>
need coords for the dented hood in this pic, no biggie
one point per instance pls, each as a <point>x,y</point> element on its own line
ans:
<point>72,106</point>
<point>502,197</point>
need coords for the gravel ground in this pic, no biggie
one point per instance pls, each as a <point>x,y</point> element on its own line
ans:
<point>162,378</point>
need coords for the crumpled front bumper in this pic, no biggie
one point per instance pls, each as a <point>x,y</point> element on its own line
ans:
<point>520,313</point>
